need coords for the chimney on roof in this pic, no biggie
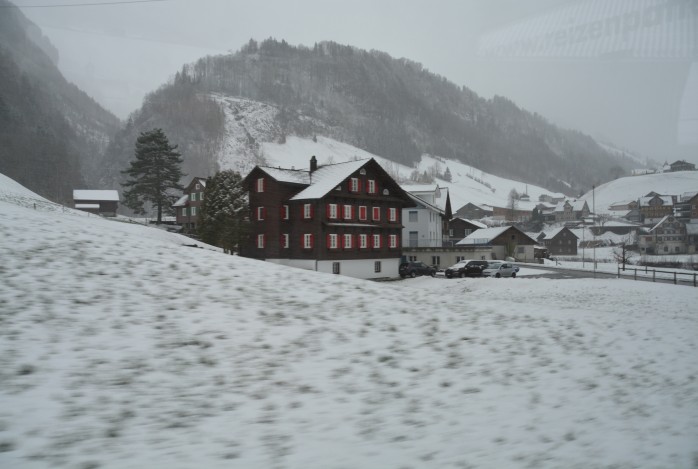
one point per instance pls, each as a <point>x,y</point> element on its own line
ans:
<point>313,164</point>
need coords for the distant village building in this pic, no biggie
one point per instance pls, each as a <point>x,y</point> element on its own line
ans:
<point>559,241</point>
<point>505,241</point>
<point>654,207</point>
<point>670,236</point>
<point>571,210</point>
<point>188,207</point>
<point>681,165</point>
<point>100,202</point>
<point>459,228</point>
<point>474,212</point>
<point>686,207</point>
<point>426,224</point>
<point>550,199</point>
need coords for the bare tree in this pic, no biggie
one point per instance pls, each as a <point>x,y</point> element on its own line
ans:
<point>622,255</point>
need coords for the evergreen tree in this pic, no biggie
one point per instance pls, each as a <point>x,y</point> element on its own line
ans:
<point>447,175</point>
<point>224,211</point>
<point>154,173</point>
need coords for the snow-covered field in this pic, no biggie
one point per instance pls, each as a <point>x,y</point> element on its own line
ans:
<point>122,348</point>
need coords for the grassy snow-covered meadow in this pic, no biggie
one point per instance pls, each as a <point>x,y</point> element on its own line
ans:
<point>122,348</point>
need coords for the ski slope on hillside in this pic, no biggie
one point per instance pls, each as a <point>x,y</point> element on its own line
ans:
<point>120,347</point>
<point>634,187</point>
<point>467,185</point>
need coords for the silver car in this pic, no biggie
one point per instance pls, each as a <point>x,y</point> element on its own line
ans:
<point>500,269</point>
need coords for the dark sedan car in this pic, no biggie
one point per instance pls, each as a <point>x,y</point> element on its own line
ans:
<point>466,268</point>
<point>412,269</point>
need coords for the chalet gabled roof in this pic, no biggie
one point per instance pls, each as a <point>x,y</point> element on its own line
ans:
<point>103,195</point>
<point>327,177</point>
<point>553,233</point>
<point>577,205</point>
<point>660,222</point>
<point>294,176</point>
<point>472,222</point>
<point>424,203</point>
<point>666,200</point>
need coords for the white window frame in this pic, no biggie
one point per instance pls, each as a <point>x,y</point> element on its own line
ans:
<point>193,211</point>
<point>333,238</point>
<point>354,185</point>
<point>260,213</point>
<point>376,241</point>
<point>260,184</point>
<point>392,214</point>
<point>307,241</point>
<point>392,244</point>
<point>373,213</point>
<point>260,241</point>
<point>348,212</point>
<point>192,196</point>
<point>371,186</point>
<point>184,211</point>
<point>286,240</point>
<point>365,210</point>
<point>333,211</point>
<point>363,241</point>
<point>348,244</point>
<point>307,211</point>
<point>287,212</point>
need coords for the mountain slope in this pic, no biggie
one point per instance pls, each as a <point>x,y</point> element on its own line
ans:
<point>52,133</point>
<point>396,109</point>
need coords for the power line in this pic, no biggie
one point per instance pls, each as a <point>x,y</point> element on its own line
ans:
<point>67,5</point>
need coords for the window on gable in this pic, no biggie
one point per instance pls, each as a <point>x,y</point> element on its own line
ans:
<point>372,186</point>
<point>260,241</point>
<point>197,186</point>
<point>376,215</point>
<point>260,185</point>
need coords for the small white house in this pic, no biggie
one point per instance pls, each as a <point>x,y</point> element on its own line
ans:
<point>426,225</point>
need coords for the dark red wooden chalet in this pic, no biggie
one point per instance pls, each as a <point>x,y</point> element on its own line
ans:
<point>342,218</point>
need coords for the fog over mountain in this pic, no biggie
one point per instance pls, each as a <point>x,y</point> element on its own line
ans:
<point>624,72</point>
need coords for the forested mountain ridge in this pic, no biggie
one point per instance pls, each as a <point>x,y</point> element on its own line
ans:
<point>52,134</point>
<point>390,107</point>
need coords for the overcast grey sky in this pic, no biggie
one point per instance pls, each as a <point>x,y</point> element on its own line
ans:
<point>621,70</point>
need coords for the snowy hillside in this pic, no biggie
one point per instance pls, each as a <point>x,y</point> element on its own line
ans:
<point>634,187</point>
<point>468,184</point>
<point>122,348</point>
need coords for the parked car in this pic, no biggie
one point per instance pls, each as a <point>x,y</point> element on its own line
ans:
<point>466,268</point>
<point>412,269</point>
<point>500,269</point>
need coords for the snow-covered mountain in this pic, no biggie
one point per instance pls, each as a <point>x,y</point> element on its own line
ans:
<point>634,187</point>
<point>122,347</point>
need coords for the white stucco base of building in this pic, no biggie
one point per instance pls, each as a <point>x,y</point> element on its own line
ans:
<point>363,268</point>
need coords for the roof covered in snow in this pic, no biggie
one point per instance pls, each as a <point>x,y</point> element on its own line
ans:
<point>666,200</point>
<point>294,176</point>
<point>577,205</point>
<point>554,232</point>
<point>483,236</point>
<point>327,177</point>
<point>182,201</point>
<point>472,222</point>
<point>103,195</point>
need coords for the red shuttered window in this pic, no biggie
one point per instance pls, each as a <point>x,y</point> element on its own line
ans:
<point>363,213</point>
<point>285,241</point>
<point>348,241</point>
<point>363,241</point>
<point>307,241</point>
<point>376,241</point>
<point>376,214</point>
<point>307,211</point>
<point>372,187</point>
<point>285,212</point>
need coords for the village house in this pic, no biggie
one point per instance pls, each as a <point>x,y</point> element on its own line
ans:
<point>459,228</point>
<point>559,241</point>
<point>681,165</point>
<point>504,241</point>
<point>547,198</point>
<point>343,218</point>
<point>686,207</point>
<point>520,214</point>
<point>670,236</point>
<point>472,211</point>
<point>188,207</point>
<point>654,207</point>
<point>99,202</point>
<point>571,211</point>
<point>426,224</point>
